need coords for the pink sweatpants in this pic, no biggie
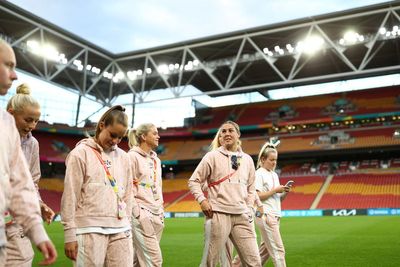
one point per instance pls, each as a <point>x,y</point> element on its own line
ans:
<point>146,235</point>
<point>239,228</point>
<point>3,256</point>
<point>18,249</point>
<point>271,244</point>
<point>113,250</point>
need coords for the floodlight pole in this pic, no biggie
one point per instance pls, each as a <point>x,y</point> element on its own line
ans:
<point>78,109</point>
<point>133,109</point>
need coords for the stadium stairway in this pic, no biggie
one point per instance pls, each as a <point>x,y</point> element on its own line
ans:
<point>321,192</point>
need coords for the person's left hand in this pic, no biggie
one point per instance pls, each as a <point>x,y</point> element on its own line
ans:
<point>47,213</point>
<point>49,252</point>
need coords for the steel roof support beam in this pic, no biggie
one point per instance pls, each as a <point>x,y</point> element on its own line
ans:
<point>271,64</point>
<point>336,49</point>
<point>233,67</point>
<point>207,70</point>
<point>372,44</point>
<point>15,43</point>
<point>98,78</point>
<point>126,79</point>
<point>64,67</point>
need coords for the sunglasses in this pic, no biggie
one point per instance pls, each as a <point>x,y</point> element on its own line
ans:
<point>234,161</point>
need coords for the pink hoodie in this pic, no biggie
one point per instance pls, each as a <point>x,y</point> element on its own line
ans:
<point>143,172</point>
<point>17,191</point>
<point>234,195</point>
<point>30,148</point>
<point>88,198</point>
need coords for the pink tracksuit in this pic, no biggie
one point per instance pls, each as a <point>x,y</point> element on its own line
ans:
<point>147,229</point>
<point>89,205</point>
<point>231,202</point>
<point>19,248</point>
<point>15,177</point>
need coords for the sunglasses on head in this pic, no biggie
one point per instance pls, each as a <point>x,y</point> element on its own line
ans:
<point>234,161</point>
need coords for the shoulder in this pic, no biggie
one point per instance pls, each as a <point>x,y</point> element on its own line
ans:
<point>246,156</point>
<point>34,141</point>
<point>120,153</point>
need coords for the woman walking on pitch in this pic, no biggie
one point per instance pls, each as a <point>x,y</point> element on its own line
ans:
<point>17,191</point>
<point>148,223</point>
<point>26,112</point>
<point>230,174</point>
<point>97,199</point>
<point>271,193</point>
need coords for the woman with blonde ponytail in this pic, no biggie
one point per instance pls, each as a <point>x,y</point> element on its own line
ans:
<point>229,174</point>
<point>271,193</point>
<point>148,223</point>
<point>26,112</point>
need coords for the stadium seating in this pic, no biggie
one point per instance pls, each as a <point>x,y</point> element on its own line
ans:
<point>303,193</point>
<point>363,190</point>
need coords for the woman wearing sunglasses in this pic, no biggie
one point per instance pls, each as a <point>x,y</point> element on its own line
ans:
<point>230,175</point>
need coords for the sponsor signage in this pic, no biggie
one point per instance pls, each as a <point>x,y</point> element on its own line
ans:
<point>186,214</point>
<point>379,212</point>
<point>301,213</point>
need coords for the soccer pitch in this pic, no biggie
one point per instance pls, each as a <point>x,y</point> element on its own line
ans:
<point>309,241</point>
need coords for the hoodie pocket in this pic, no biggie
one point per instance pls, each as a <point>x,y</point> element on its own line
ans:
<point>232,194</point>
<point>99,200</point>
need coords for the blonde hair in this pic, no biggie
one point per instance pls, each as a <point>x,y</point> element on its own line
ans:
<point>135,136</point>
<point>215,142</point>
<point>115,114</point>
<point>22,99</point>
<point>266,149</point>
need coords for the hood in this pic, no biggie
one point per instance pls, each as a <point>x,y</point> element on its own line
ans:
<point>140,151</point>
<point>226,152</point>
<point>91,143</point>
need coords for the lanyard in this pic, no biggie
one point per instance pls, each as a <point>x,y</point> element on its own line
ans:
<point>112,180</point>
<point>154,171</point>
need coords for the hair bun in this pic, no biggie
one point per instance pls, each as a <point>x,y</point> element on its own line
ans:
<point>23,89</point>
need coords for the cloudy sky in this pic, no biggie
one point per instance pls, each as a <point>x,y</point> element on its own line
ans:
<point>126,25</point>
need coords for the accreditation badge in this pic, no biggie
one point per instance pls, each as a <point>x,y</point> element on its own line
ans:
<point>121,209</point>
<point>155,193</point>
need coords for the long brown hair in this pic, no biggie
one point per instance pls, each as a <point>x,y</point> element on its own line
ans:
<point>115,114</point>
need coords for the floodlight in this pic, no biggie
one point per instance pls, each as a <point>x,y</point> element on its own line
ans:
<point>163,69</point>
<point>34,46</point>
<point>312,44</point>
<point>50,52</point>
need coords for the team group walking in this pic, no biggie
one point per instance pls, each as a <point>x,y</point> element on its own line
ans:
<point>112,205</point>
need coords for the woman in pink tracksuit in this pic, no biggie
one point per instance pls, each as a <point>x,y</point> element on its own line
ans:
<point>230,174</point>
<point>17,191</point>
<point>148,224</point>
<point>97,199</point>
<point>26,112</point>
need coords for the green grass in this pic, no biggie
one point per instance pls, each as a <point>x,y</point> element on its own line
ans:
<point>312,241</point>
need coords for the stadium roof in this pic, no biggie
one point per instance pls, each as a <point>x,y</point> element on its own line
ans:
<point>342,45</point>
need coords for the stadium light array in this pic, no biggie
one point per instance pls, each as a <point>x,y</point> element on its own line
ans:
<point>47,51</point>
